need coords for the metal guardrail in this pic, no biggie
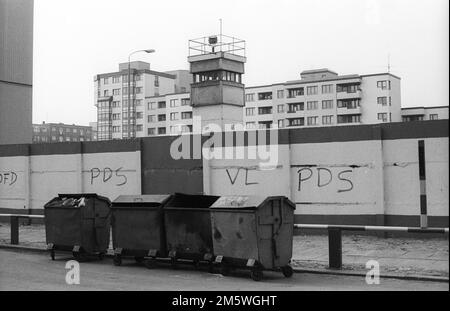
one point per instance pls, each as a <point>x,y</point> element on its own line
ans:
<point>334,234</point>
<point>14,222</point>
<point>335,237</point>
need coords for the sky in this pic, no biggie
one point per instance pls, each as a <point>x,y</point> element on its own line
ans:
<point>75,40</point>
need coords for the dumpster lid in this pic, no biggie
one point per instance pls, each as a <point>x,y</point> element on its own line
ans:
<point>182,200</point>
<point>246,201</point>
<point>146,198</point>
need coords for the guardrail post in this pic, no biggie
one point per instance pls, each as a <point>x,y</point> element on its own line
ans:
<point>335,248</point>
<point>14,230</point>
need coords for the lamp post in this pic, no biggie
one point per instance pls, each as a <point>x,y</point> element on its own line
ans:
<point>129,88</point>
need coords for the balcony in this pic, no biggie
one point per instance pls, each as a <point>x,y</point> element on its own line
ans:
<point>346,111</point>
<point>419,111</point>
<point>348,95</point>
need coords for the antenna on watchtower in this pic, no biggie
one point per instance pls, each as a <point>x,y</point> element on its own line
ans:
<point>389,63</point>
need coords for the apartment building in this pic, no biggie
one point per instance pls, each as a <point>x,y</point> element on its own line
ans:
<point>320,98</point>
<point>424,113</point>
<point>323,98</point>
<point>115,118</point>
<point>59,132</point>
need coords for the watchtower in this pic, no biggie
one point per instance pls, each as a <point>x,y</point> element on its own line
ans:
<point>217,65</point>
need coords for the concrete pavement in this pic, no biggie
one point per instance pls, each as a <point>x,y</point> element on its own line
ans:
<point>21,270</point>
<point>403,257</point>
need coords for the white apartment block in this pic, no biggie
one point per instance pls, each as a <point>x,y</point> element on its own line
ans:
<point>111,97</point>
<point>320,98</point>
<point>323,98</point>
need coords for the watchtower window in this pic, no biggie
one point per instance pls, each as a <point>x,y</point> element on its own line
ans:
<point>217,75</point>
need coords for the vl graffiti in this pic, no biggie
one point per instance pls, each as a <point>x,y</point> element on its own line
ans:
<point>8,178</point>
<point>325,178</point>
<point>106,174</point>
<point>233,179</point>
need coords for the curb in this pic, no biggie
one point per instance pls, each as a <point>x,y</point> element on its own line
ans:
<point>363,274</point>
<point>296,270</point>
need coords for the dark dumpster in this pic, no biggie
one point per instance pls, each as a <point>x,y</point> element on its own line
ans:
<point>253,232</point>
<point>79,223</point>
<point>188,227</point>
<point>138,228</point>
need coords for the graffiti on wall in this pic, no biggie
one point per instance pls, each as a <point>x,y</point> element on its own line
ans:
<point>106,174</point>
<point>8,178</point>
<point>232,177</point>
<point>322,177</point>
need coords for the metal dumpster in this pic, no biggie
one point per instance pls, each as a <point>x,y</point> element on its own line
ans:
<point>188,227</point>
<point>79,223</point>
<point>138,228</point>
<point>253,232</point>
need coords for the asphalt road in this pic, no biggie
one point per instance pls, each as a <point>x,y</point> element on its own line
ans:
<point>22,270</point>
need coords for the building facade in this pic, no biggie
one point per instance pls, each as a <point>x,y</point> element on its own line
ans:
<point>324,98</point>
<point>16,71</point>
<point>59,132</point>
<point>424,113</point>
<point>320,98</point>
<point>115,118</point>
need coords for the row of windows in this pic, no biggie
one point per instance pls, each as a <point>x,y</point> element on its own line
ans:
<point>348,103</point>
<point>311,121</point>
<point>218,75</point>
<point>314,90</point>
<point>60,130</point>
<point>294,107</point>
<point>432,116</point>
<point>173,103</point>
<point>44,139</point>
<point>173,116</point>
<point>116,79</point>
<point>135,90</point>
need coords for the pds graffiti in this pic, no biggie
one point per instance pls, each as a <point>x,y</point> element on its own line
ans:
<point>107,174</point>
<point>325,177</point>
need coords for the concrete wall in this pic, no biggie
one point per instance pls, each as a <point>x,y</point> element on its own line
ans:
<point>41,172</point>
<point>334,174</point>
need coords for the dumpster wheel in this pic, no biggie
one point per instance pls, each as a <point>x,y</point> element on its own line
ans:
<point>173,263</point>
<point>287,271</point>
<point>225,270</point>
<point>79,256</point>
<point>196,264</point>
<point>150,263</point>
<point>256,274</point>
<point>117,260</point>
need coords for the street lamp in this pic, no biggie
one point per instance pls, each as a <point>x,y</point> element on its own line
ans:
<point>129,87</point>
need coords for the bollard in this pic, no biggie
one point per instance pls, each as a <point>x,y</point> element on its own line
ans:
<point>14,230</point>
<point>335,248</point>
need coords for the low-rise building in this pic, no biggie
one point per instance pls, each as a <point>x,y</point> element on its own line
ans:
<point>424,113</point>
<point>59,132</point>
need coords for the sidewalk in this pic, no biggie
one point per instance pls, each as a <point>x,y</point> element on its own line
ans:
<point>405,257</point>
